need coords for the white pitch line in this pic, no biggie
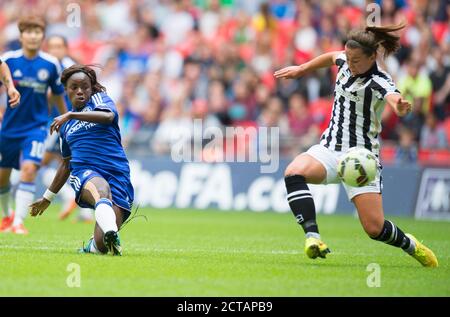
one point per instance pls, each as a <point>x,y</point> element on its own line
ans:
<point>148,249</point>
<point>141,249</point>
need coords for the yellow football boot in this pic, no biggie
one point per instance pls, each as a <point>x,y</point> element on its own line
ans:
<point>422,254</point>
<point>316,248</point>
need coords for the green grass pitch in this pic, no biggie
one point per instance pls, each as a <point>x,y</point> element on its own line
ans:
<point>216,253</point>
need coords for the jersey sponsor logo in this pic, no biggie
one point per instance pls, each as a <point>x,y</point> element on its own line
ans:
<point>38,87</point>
<point>347,94</point>
<point>80,125</point>
<point>43,74</point>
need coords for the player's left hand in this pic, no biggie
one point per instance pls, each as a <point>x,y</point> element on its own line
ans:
<point>39,206</point>
<point>403,107</point>
<point>14,97</point>
<point>59,121</point>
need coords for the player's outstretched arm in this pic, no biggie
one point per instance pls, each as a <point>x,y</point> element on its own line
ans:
<point>400,105</point>
<point>5,77</point>
<point>62,174</point>
<point>102,117</point>
<point>321,61</point>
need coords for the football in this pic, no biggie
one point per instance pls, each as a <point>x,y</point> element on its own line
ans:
<point>357,167</point>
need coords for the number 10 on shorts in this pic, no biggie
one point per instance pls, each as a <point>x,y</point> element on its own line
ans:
<point>37,149</point>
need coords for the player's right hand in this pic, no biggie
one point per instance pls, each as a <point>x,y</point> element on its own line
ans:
<point>38,207</point>
<point>289,72</point>
<point>14,97</point>
<point>59,121</point>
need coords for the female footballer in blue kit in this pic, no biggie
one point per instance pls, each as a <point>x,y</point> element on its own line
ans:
<point>24,126</point>
<point>93,159</point>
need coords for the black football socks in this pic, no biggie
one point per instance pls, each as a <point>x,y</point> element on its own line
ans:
<point>391,234</point>
<point>302,204</point>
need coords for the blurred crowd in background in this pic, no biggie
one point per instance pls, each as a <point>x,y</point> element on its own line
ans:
<point>167,62</point>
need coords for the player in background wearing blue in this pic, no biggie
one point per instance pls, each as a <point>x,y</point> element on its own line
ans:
<point>57,46</point>
<point>24,128</point>
<point>6,80</point>
<point>14,99</point>
<point>93,159</point>
<point>360,95</point>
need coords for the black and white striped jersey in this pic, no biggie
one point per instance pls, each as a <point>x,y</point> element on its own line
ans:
<point>357,108</point>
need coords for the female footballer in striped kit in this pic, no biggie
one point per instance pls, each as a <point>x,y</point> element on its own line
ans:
<point>361,92</point>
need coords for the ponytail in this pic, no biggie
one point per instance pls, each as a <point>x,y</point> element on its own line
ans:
<point>372,37</point>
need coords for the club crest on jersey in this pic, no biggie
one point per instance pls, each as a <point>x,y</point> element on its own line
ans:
<point>17,73</point>
<point>43,74</point>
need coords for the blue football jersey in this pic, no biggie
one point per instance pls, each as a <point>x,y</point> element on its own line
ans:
<point>93,144</point>
<point>32,78</point>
